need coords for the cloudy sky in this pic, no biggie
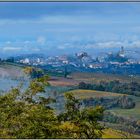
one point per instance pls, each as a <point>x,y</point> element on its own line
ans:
<point>68,26</point>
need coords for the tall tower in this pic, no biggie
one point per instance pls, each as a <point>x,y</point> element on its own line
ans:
<point>121,53</point>
<point>122,49</point>
<point>65,72</point>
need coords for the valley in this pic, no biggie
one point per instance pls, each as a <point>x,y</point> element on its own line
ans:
<point>116,103</point>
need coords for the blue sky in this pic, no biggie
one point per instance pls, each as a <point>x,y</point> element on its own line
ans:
<point>68,26</point>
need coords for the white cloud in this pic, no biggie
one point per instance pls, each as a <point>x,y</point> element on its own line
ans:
<point>136,43</point>
<point>11,48</point>
<point>61,47</point>
<point>41,40</point>
<point>27,42</point>
<point>110,44</point>
<point>35,49</point>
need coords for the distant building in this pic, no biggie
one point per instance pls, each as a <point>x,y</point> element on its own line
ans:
<point>25,61</point>
<point>81,55</point>
<point>38,60</point>
<point>65,61</point>
<point>95,66</point>
<point>63,58</point>
<point>121,52</point>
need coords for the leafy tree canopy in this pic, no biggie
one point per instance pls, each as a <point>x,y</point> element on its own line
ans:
<point>24,116</point>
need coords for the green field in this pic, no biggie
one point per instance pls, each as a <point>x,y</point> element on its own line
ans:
<point>133,113</point>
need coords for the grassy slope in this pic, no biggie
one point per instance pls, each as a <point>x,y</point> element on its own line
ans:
<point>11,70</point>
<point>134,112</point>
<point>116,134</point>
<point>94,94</point>
<point>96,77</point>
<point>11,75</point>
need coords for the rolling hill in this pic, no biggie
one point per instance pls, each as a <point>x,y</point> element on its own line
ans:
<point>11,75</point>
<point>82,94</point>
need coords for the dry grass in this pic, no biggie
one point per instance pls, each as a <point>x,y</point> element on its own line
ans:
<point>97,77</point>
<point>93,94</point>
<point>90,78</point>
<point>116,134</point>
<point>60,81</point>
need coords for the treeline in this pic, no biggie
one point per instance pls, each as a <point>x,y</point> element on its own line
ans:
<point>25,115</point>
<point>132,88</point>
<point>123,102</point>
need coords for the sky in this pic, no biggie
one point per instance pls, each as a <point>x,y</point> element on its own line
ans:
<point>67,27</point>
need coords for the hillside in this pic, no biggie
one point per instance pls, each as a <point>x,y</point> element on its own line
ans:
<point>11,70</point>
<point>97,77</point>
<point>131,113</point>
<point>11,75</point>
<point>106,99</point>
<point>116,134</point>
<point>82,94</point>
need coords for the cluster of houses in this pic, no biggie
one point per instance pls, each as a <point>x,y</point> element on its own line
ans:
<point>82,59</point>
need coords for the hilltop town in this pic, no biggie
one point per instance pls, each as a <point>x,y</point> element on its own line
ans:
<point>118,62</point>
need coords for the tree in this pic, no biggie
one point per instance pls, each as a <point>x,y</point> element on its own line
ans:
<point>33,72</point>
<point>22,115</point>
<point>85,122</point>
